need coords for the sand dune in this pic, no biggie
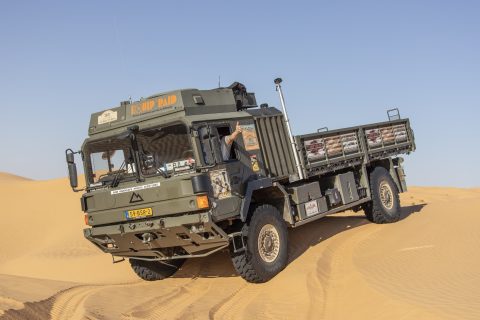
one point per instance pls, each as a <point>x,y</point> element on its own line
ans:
<point>341,267</point>
<point>8,177</point>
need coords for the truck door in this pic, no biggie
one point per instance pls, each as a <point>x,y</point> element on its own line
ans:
<point>233,169</point>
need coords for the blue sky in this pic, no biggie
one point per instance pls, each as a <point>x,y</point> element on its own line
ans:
<point>343,63</point>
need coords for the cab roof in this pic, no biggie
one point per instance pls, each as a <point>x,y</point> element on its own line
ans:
<point>189,104</point>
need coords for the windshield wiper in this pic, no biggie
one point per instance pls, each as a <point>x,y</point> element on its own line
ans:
<point>115,179</point>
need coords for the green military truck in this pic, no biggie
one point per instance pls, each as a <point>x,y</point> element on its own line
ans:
<point>187,173</point>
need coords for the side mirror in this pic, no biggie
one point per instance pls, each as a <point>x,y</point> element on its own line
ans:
<point>70,157</point>
<point>72,173</point>
<point>72,168</point>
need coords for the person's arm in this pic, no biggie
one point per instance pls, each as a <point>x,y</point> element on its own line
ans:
<point>229,139</point>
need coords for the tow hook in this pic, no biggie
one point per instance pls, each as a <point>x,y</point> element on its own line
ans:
<point>148,237</point>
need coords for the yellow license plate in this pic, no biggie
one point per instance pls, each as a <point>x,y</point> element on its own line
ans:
<point>139,213</point>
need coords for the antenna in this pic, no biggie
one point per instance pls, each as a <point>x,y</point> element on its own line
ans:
<point>219,81</point>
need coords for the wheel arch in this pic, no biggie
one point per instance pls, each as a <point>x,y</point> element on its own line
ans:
<point>391,165</point>
<point>265,191</point>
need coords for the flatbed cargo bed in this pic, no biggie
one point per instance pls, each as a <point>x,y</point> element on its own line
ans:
<point>328,151</point>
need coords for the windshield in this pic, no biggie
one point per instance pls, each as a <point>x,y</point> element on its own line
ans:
<point>166,150</point>
<point>108,160</point>
<point>163,151</point>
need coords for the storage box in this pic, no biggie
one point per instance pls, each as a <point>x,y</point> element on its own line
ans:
<point>345,183</point>
<point>334,197</point>
<point>306,192</point>
<point>312,208</point>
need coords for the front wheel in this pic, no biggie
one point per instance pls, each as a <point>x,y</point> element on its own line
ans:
<point>385,204</point>
<point>155,270</point>
<point>266,252</point>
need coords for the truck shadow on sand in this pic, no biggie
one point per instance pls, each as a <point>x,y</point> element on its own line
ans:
<point>300,240</point>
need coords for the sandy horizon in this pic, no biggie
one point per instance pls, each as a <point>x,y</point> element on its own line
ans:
<point>340,267</point>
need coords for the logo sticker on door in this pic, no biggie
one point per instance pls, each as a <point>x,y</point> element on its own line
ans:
<point>250,139</point>
<point>254,162</point>
<point>220,184</point>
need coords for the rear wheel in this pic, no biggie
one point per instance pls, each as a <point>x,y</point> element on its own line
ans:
<point>385,204</point>
<point>266,251</point>
<point>155,270</point>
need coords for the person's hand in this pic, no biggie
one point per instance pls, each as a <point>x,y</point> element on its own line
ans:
<point>238,128</point>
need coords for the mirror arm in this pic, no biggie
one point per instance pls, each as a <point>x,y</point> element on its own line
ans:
<point>136,155</point>
<point>78,190</point>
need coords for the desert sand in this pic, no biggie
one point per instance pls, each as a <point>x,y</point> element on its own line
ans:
<point>426,266</point>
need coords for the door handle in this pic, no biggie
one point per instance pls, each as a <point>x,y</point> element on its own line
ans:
<point>236,180</point>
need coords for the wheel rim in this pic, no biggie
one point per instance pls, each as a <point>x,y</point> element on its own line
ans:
<point>386,195</point>
<point>268,243</point>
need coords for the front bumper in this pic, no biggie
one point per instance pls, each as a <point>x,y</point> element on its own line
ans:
<point>186,236</point>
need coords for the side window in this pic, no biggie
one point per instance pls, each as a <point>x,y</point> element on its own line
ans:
<point>214,145</point>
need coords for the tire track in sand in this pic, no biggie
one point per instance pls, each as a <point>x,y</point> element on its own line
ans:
<point>231,307</point>
<point>223,304</point>
<point>336,271</point>
<point>64,305</point>
<point>328,278</point>
<point>69,304</point>
<point>172,304</point>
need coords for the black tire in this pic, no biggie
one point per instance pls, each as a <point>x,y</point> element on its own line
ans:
<point>257,264</point>
<point>385,204</point>
<point>155,270</point>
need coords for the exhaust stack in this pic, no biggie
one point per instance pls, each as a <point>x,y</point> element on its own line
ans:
<point>278,88</point>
